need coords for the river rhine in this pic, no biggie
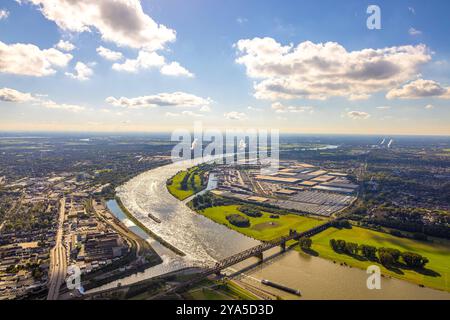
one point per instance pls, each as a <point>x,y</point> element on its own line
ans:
<point>204,241</point>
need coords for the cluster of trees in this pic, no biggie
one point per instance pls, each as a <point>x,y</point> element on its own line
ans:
<point>386,256</point>
<point>208,200</point>
<point>305,243</point>
<point>342,224</point>
<point>250,211</point>
<point>238,220</point>
<point>191,174</point>
<point>184,182</point>
<point>434,230</point>
<point>31,218</point>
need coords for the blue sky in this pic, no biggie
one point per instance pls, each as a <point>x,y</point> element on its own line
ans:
<point>246,64</point>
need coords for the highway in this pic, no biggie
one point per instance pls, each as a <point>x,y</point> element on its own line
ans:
<point>58,260</point>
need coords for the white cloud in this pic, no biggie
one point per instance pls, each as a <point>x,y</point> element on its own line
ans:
<point>151,60</point>
<point>253,108</point>
<point>144,60</point>
<point>30,60</point>
<point>187,113</point>
<point>4,14</point>
<point>15,96</point>
<point>358,115</point>
<point>420,88</point>
<point>384,107</point>
<point>11,95</point>
<point>235,115</point>
<point>109,54</point>
<point>49,104</point>
<point>175,99</point>
<point>414,32</point>
<point>318,71</point>
<point>82,72</point>
<point>429,107</point>
<point>280,108</point>
<point>174,69</point>
<point>65,45</point>
<point>120,21</point>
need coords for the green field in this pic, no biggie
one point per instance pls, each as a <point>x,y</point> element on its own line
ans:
<point>175,188</point>
<point>437,253</point>
<point>263,228</point>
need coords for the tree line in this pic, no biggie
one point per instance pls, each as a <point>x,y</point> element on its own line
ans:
<point>386,256</point>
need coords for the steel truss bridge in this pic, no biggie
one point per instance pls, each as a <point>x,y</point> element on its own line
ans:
<point>256,251</point>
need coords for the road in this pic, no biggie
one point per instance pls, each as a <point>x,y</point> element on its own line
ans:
<point>58,260</point>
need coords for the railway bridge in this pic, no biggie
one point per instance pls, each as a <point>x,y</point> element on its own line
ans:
<point>256,251</point>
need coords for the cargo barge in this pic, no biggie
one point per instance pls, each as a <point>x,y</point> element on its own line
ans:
<point>281,287</point>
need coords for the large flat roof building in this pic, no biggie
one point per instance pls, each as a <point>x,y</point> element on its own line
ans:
<point>277,179</point>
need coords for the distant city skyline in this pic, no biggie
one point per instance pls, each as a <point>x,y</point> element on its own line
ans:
<point>154,66</point>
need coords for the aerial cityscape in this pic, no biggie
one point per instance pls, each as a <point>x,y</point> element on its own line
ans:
<point>203,150</point>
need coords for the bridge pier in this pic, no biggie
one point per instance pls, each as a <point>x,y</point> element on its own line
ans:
<point>260,257</point>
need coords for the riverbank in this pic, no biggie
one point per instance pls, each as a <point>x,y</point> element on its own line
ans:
<point>264,228</point>
<point>436,274</point>
<point>147,230</point>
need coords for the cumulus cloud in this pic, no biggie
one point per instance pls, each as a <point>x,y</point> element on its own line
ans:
<point>65,45</point>
<point>280,108</point>
<point>429,107</point>
<point>358,115</point>
<point>120,21</point>
<point>82,72</point>
<point>419,88</point>
<point>108,54</point>
<point>235,115</point>
<point>4,14</point>
<point>318,71</point>
<point>174,69</point>
<point>144,60</point>
<point>175,99</point>
<point>15,96</point>
<point>30,60</point>
<point>12,95</point>
<point>49,104</point>
<point>151,60</point>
